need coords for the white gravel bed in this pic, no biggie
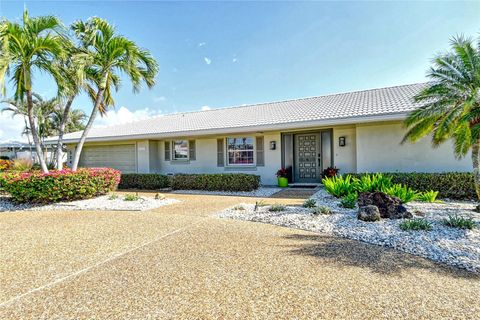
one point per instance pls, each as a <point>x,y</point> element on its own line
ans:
<point>455,247</point>
<point>100,203</point>
<point>262,192</point>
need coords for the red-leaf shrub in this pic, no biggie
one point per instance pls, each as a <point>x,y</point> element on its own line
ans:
<point>5,164</point>
<point>64,185</point>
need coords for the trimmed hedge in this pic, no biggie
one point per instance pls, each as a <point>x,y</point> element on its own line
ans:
<point>144,181</point>
<point>64,185</point>
<point>209,182</point>
<point>216,182</point>
<point>452,185</point>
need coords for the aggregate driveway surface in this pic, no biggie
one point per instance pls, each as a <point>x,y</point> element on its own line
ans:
<point>180,261</point>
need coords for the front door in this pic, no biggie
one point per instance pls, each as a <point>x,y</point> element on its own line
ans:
<point>307,158</point>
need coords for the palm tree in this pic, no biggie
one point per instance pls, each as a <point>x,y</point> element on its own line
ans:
<point>451,103</point>
<point>26,48</point>
<point>72,81</point>
<point>50,118</point>
<point>111,55</point>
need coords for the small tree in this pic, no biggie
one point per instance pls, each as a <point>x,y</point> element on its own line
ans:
<point>111,55</point>
<point>451,103</point>
<point>26,48</point>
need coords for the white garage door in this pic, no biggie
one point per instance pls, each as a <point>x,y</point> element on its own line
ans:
<point>120,157</point>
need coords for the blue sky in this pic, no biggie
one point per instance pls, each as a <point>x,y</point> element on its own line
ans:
<point>219,54</point>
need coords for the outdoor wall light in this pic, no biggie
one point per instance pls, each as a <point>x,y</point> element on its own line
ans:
<point>341,141</point>
<point>273,145</point>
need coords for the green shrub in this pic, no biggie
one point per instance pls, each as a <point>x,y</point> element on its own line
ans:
<point>309,203</point>
<point>452,185</point>
<point>323,210</point>
<point>456,221</point>
<point>404,193</point>
<point>113,197</point>
<point>216,182</point>
<point>277,208</point>
<point>427,196</point>
<point>416,225</point>
<point>349,201</point>
<point>64,185</point>
<point>339,186</point>
<point>372,182</point>
<point>131,197</point>
<point>144,181</point>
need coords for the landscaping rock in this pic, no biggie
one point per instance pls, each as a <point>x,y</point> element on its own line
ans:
<point>368,213</point>
<point>390,207</point>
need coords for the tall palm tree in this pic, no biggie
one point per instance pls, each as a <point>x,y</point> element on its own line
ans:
<point>72,70</point>
<point>111,55</point>
<point>26,48</point>
<point>451,103</point>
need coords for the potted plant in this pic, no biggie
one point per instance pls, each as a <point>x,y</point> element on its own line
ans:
<point>282,178</point>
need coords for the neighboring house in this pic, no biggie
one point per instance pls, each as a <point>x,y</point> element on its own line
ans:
<point>16,150</point>
<point>356,132</point>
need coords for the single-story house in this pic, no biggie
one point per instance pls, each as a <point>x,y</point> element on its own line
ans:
<point>354,131</point>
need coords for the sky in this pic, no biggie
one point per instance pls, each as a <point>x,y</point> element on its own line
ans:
<point>219,54</point>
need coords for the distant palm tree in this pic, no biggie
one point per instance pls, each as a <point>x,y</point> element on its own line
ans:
<point>26,48</point>
<point>111,55</point>
<point>451,103</point>
<point>49,116</point>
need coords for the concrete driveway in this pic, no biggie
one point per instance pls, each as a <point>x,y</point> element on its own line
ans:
<point>180,261</point>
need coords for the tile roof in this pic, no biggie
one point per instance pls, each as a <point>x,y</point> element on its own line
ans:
<point>350,107</point>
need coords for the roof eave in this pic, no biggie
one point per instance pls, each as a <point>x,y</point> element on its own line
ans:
<point>244,129</point>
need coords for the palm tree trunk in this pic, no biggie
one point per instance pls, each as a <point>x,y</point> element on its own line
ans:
<point>93,115</point>
<point>61,132</point>
<point>33,130</point>
<point>476,166</point>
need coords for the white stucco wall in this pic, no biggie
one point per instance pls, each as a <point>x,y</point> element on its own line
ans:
<point>379,149</point>
<point>345,157</point>
<point>206,159</point>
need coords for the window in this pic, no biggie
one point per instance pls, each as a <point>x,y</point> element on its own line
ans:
<point>180,149</point>
<point>240,151</point>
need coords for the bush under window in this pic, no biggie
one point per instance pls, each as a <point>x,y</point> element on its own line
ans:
<point>215,182</point>
<point>208,182</point>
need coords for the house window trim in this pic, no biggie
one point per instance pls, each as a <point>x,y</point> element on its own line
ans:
<point>233,166</point>
<point>172,150</point>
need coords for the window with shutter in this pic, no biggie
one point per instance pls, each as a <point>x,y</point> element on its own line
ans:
<point>192,151</point>
<point>260,152</point>
<point>167,150</point>
<point>220,156</point>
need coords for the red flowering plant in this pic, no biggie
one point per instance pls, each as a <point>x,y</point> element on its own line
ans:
<point>282,173</point>
<point>330,172</point>
<point>63,185</point>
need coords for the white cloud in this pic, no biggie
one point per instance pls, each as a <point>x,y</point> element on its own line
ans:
<point>124,115</point>
<point>234,60</point>
<point>158,99</point>
<point>201,44</point>
<point>11,128</point>
<point>205,108</point>
<point>207,60</point>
